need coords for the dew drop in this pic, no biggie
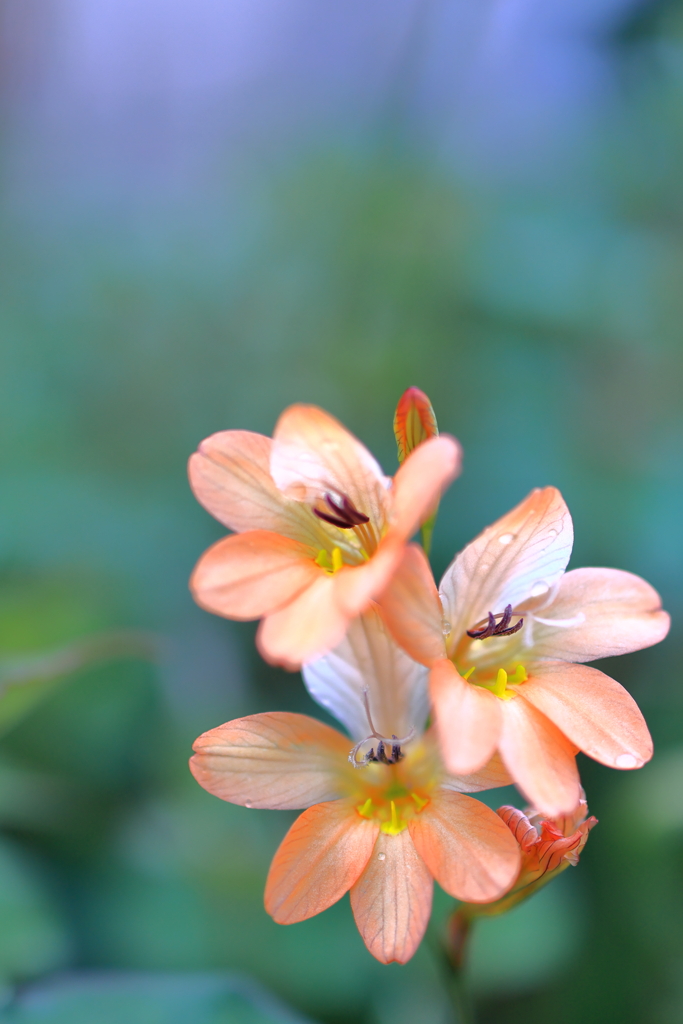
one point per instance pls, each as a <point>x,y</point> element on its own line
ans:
<point>551,533</point>
<point>445,627</point>
<point>381,856</point>
<point>626,761</point>
<point>247,803</point>
<point>506,538</point>
<point>539,588</point>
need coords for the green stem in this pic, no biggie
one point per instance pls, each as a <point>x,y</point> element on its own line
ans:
<point>451,957</point>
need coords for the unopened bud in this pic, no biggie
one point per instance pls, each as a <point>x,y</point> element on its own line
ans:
<point>414,421</point>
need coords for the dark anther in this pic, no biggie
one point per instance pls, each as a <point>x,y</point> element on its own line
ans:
<point>343,513</point>
<point>494,628</point>
<point>383,743</point>
<point>381,755</point>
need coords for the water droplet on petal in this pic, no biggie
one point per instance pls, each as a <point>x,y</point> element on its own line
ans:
<point>626,761</point>
<point>445,627</point>
<point>539,588</point>
<point>551,533</point>
<point>247,803</point>
<point>381,856</point>
<point>506,538</point>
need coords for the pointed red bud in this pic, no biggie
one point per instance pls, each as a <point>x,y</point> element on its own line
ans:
<point>414,421</point>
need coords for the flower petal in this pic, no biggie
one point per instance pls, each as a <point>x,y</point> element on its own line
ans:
<point>539,757</point>
<point>592,710</point>
<point>491,776</point>
<point>230,476</point>
<point>358,585</point>
<point>411,608</point>
<point>392,899</point>
<point>313,454</point>
<point>521,556</point>
<point>368,658</point>
<point>310,626</point>
<point>278,760</point>
<point>468,849</point>
<point>418,484</point>
<point>468,719</point>
<point>251,574</point>
<point>320,858</point>
<point>598,613</point>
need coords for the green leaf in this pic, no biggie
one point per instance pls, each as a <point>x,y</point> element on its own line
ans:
<point>33,938</point>
<point>26,681</point>
<point>531,944</point>
<point>126,998</point>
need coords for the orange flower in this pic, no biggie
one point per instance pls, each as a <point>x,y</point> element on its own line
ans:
<point>505,636</point>
<point>319,529</point>
<point>383,826</point>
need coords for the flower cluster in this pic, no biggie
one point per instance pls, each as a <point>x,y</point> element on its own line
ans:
<point>494,658</point>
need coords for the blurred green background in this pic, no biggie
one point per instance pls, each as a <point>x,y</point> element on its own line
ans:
<point>210,211</point>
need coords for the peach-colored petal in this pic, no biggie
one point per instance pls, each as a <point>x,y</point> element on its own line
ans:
<point>230,476</point>
<point>592,710</point>
<point>411,608</point>
<point>368,658</point>
<point>418,485</point>
<point>466,846</point>
<point>313,454</point>
<point>539,757</point>
<point>248,575</point>
<point>468,719</point>
<point>308,627</point>
<point>567,823</point>
<point>491,776</point>
<point>320,858</point>
<point>599,613</point>
<point>521,556</point>
<point>277,760</point>
<point>358,585</point>
<point>392,899</point>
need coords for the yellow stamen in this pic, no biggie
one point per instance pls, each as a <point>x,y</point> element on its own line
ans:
<point>501,682</point>
<point>499,688</point>
<point>330,566</point>
<point>520,675</point>
<point>323,560</point>
<point>396,825</point>
<point>420,801</point>
<point>365,810</point>
<point>469,672</point>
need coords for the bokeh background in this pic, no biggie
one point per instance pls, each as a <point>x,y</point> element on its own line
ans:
<point>211,209</point>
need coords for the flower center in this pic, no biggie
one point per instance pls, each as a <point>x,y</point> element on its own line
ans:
<point>394,795</point>
<point>393,808</point>
<point>498,685</point>
<point>338,510</point>
<point>330,563</point>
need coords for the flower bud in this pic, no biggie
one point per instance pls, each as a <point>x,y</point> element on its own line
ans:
<point>547,846</point>
<point>414,421</point>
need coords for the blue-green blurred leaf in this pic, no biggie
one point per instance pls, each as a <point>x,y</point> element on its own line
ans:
<point>531,944</point>
<point>26,681</point>
<point>148,999</point>
<point>33,936</point>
